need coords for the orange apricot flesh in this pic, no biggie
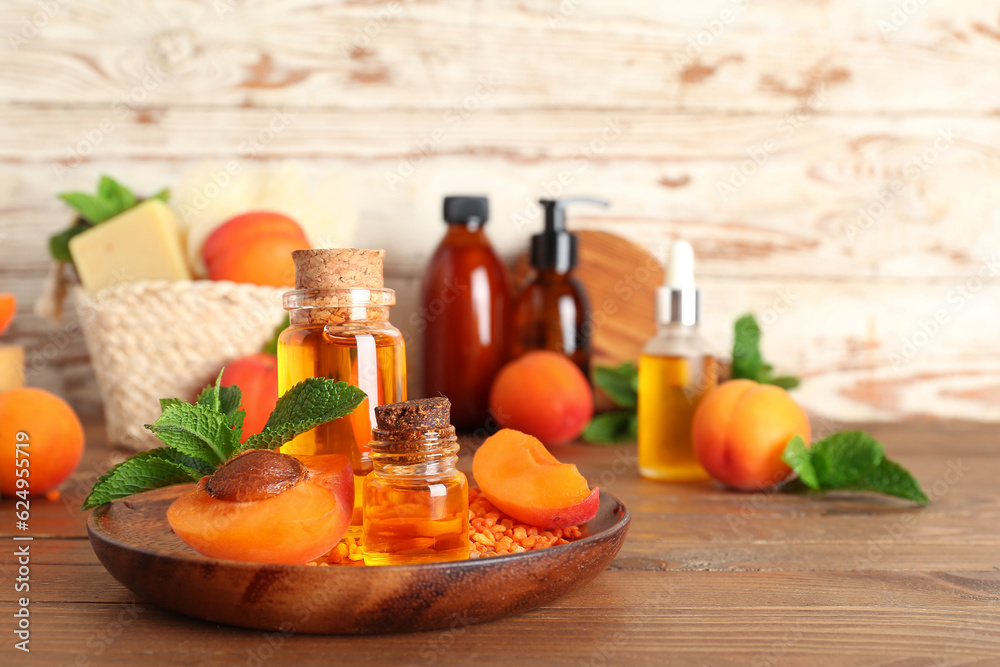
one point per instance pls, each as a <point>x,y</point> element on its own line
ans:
<point>740,431</point>
<point>295,526</point>
<point>8,308</point>
<point>523,479</point>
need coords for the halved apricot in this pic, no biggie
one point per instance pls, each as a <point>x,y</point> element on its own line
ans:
<point>266,507</point>
<point>523,479</point>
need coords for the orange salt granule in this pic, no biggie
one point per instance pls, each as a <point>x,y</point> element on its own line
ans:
<point>493,533</point>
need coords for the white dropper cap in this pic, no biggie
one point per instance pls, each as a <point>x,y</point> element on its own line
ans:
<point>680,269</point>
<point>677,300</point>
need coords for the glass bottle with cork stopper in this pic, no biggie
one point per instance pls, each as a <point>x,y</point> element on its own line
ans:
<point>676,370</point>
<point>339,328</point>
<point>416,504</point>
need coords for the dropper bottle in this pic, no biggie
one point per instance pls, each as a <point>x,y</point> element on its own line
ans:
<point>552,312</point>
<point>676,370</point>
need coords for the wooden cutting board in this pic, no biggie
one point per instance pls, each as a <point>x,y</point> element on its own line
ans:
<point>621,280</point>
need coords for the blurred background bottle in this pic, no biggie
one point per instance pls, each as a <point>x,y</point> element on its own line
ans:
<point>552,312</point>
<point>465,308</point>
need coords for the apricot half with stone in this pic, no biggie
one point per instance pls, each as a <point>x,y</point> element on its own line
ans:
<point>267,507</point>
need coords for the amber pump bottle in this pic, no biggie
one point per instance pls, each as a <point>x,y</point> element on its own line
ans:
<point>339,328</point>
<point>464,314</point>
<point>552,312</point>
<point>675,371</point>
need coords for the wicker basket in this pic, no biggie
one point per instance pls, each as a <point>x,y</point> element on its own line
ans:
<point>153,340</point>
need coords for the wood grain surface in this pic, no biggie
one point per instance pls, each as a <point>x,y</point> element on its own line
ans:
<point>859,140</point>
<point>706,576</point>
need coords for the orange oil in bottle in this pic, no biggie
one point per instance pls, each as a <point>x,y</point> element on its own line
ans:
<point>416,521</point>
<point>670,389</point>
<point>373,360</point>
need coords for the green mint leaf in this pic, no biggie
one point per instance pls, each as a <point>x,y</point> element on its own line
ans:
<point>142,472</point>
<point>308,404</point>
<point>619,383</point>
<point>633,427</point>
<point>797,455</point>
<point>272,345</point>
<point>209,396</point>
<point>93,209</point>
<point>163,195</point>
<point>747,359</point>
<point>892,479</point>
<point>225,400</point>
<point>116,195</point>
<point>236,423</point>
<point>169,403</point>
<point>785,381</point>
<point>610,427</point>
<point>852,461</point>
<point>230,398</point>
<point>59,243</point>
<point>197,431</point>
<point>845,457</point>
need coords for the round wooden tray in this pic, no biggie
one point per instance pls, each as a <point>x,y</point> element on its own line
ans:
<point>134,542</point>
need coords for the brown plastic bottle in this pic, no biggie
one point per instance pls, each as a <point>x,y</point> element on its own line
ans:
<point>552,312</point>
<point>464,314</point>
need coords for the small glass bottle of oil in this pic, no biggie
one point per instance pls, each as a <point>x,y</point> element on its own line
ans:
<point>675,371</point>
<point>416,504</point>
<point>339,329</point>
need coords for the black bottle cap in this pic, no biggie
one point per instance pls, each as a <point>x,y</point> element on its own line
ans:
<point>555,248</point>
<point>466,210</point>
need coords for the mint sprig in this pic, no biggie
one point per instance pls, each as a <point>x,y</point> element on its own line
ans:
<point>618,426</point>
<point>852,461</point>
<point>748,360</point>
<point>111,199</point>
<point>201,436</point>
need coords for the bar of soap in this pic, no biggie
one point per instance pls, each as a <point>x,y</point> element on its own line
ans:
<point>143,243</point>
<point>11,367</point>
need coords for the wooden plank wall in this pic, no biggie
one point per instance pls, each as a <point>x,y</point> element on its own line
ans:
<point>835,164</point>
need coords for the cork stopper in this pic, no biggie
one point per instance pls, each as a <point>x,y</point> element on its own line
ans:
<point>424,414</point>
<point>339,268</point>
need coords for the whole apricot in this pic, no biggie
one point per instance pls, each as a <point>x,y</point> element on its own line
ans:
<point>740,430</point>
<point>8,307</point>
<point>257,376</point>
<point>544,394</point>
<point>254,248</point>
<point>50,437</point>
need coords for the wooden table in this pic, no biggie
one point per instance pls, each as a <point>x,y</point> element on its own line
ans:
<point>706,576</point>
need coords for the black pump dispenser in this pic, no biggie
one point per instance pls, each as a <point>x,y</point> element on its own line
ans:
<point>555,248</point>
<point>470,211</point>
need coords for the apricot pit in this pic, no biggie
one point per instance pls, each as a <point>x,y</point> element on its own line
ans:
<point>257,474</point>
